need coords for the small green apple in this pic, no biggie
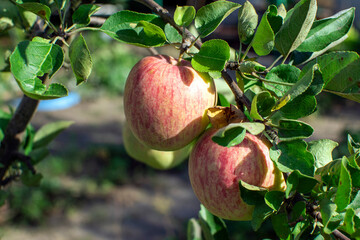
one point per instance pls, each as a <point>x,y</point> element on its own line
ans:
<point>161,160</point>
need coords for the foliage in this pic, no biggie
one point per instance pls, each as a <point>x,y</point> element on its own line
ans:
<point>322,196</point>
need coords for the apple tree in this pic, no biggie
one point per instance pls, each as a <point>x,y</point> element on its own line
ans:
<point>318,197</point>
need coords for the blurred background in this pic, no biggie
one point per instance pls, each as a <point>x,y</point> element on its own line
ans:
<point>91,188</point>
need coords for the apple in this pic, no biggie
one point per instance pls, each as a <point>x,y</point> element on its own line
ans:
<point>215,172</point>
<point>161,160</point>
<point>165,102</point>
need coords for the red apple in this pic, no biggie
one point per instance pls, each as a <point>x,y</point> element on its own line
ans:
<point>161,160</point>
<point>215,172</point>
<point>165,102</point>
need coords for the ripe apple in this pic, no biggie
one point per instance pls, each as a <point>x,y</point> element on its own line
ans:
<point>165,102</point>
<point>215,172</point>
<point>161,160</point>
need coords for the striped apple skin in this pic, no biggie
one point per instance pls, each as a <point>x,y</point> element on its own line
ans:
<point>165,103</point>
<point>215,172</point>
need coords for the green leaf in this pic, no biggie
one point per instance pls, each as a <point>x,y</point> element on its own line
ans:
<point>222,101</point>
<point>80,59</point>
<point>39,9</point>
<point>300,58</point>
<point>34,59</point>
<point>299,107</point>
<point>355,204</point>
<point>263,42</point>
<point>209,17</point>
<point>261,105</point>
<point>213,227</point>
<point>283,73</point>
<point>328,30</point>
<point>274,199</point>
<point>61,4</point>
<point>234,133</point>
<point>39,154</point>
<point>328,210</point>
<point>292,129</point>
<point>280,224</point>
<point>1,135</point>
<point>250,67</point>
<point>35,89</point>
<point>193,230</point>
<point>229,136</point>
<point>297,25</point>
<point>172,35</point>
<point>29,179</point>
<point>343,192</point>
<point>31,60</point>
<point>260,214</point>
<point>353,146</point>
<point>340,71</point>
<point>140,29</point>
<point>251,195</point>
<point>281,11</point>
<point>184,15</point>
<point>300,183</point>
<point>274,19</point>
<point>82,14</point>
<point>303,83</point>
<point>322,150</point>
<point>247,22</point>
<point>292,183</point>
<point>293,155</point>
<point>49,132</point>
<point>349,222</point>
<point>212,56</point>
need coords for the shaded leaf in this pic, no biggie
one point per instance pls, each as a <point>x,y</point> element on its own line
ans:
<point>274,199</point>
<point>30,179</point>
<point>260,214</point>
<point>322,150</point>
<point>261,105</point>
<point>39,9</point>
<point>213,227</point>
<point>251,195</point>
<point>343,193</point>
<point>283,73</point>
<point>211,15</point>
<point>81,16</point>
<point>296,26</point>
<point>247,22</point>
<point>234,133</point>
<point>280,224</point>
<point>193,230</point>
<point>293,155</point>
<point>212,56</point>
<point>80,59</point>
<point>49,132</point>
<point>299,107</point>
<point>3,196</point>
<point>184,15</point>
<point>293,129</point>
